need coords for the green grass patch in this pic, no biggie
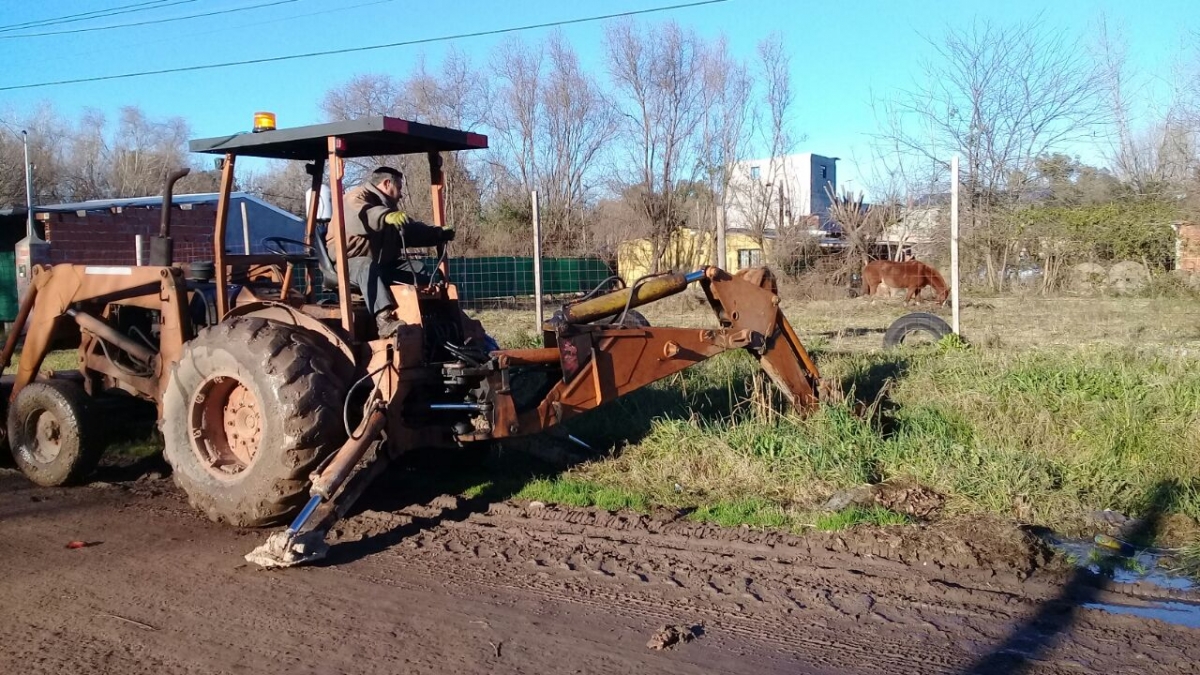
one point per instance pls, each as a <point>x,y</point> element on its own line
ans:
<point>858,515</point>
<point>63,359</point>
<point>573,492</point>
<point>750,511</point>
<point>136,448</point>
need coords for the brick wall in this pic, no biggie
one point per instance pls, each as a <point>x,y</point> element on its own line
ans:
<point>1189,247</point>
<point>106,238</point>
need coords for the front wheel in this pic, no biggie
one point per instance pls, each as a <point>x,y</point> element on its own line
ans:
<point>251,408</point>
<point>48,431</point>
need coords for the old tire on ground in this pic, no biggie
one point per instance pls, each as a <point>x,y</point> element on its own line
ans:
<point>49,432</point>
<point>915,323</point>
<point>251,408</point>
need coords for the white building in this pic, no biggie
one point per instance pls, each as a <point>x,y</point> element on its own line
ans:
<point>781,189</point>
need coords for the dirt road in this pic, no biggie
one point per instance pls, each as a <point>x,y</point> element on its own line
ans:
<point>461,587</point>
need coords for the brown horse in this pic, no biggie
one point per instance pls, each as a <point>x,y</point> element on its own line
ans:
<point>912,275</point>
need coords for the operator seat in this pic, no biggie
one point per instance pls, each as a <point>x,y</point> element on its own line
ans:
<point>329,279</point>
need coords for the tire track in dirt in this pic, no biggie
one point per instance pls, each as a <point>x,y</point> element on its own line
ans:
<point>515,589</point>
<point>894,616</point>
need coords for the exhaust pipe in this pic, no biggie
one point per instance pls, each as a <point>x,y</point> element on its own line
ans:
<point>162,249</point>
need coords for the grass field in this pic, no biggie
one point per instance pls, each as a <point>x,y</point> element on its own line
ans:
<point>1057,408</point>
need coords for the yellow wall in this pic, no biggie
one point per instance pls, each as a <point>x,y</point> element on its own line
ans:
<point>686,251</point>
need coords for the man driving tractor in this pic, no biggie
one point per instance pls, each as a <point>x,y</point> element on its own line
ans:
<point>377,233</point>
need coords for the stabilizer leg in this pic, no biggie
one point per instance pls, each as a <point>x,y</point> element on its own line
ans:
<point>304,540</point>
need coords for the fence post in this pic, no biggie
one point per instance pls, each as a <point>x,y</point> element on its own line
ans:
<point>721,261</point>
<point>139,249</point>
<point>537,261</point>
<point>954,244</point>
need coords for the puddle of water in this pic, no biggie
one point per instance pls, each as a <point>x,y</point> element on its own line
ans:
<point>1143,566</point>
<point>1178,613</point>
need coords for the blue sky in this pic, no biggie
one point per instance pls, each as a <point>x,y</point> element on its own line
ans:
<point>842,51</point>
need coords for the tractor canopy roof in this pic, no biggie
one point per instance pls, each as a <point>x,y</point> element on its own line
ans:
<point>366,137</point>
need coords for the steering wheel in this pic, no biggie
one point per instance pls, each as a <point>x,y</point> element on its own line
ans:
<point>276,246</point>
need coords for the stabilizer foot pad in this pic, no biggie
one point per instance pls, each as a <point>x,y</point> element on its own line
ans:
<point>284,549</point>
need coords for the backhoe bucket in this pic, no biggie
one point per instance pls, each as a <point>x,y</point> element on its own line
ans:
<point>790,367</point>
<point>749,300</point>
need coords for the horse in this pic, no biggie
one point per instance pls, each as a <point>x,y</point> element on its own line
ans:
<point>912,275</point>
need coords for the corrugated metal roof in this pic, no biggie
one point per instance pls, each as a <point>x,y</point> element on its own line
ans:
<point>142,202</point>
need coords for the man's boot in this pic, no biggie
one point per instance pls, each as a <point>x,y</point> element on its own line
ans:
<point>387,323</point>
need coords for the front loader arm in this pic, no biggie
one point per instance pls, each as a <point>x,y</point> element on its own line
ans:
<point>54,290</point>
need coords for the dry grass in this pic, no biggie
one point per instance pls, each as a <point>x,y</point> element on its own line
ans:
<point>1011,322</point>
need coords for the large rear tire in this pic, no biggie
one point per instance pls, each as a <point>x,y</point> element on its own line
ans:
<point>50,433</point>
<point>251,408</point>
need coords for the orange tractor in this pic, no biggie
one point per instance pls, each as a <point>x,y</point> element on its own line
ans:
<point>277,401</point>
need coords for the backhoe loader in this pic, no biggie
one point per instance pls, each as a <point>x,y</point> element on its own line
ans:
<point>276,398</point>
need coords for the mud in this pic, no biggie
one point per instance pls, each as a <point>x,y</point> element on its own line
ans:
<point>668,637</point>
<point>456,585</point>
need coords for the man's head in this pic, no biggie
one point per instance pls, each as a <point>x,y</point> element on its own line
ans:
<point>389,181</point>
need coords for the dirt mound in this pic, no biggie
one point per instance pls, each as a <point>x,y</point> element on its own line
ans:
<point>909,498</point>
<point>669,636</point>
<point>901,496</point>
<point>367,524</point>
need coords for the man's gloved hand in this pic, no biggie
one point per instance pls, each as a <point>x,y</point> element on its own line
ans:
<point>447,234</point>
<point>397,218</point>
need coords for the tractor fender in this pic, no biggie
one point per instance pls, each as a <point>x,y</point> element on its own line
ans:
<point>277,311</point>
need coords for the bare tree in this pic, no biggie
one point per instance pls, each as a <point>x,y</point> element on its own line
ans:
<point>728,90</point>
<point>90,160</point>
<point>579,121</point>
<point>1001,96</point>
<point>517,113</point>
<point>551,120</point>
<point>143,151</point>
<point>46,128</point>
<point>658,76</point>
<point>456,96</point>
<point>765,196</point>
<point>1160,156</point>
<point>862,225</point>
<point>90,176</point>
<point>283,184</point>
<point>365,95</point>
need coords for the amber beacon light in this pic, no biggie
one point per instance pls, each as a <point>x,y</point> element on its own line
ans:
<point>264,121</point>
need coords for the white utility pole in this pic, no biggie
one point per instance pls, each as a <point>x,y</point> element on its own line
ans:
<point>954,244</point>
<point>28,188</point>
<point>537,261</point>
